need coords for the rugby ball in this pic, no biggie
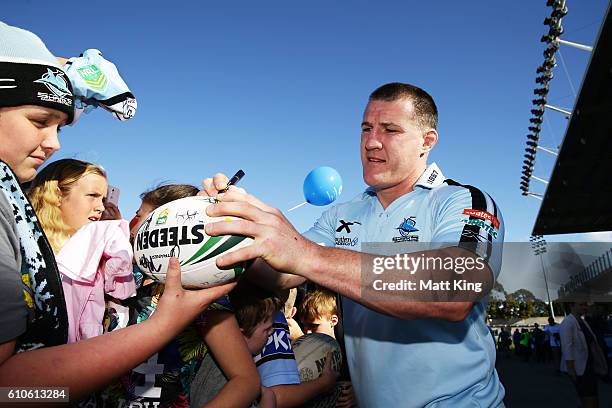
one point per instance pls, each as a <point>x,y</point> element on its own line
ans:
<point>310,351</point>
<point>177,229</point>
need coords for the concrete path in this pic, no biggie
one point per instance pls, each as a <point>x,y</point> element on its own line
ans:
<point>531,384</point>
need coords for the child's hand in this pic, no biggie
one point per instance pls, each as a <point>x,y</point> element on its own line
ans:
<point>268,399</point>
<point>177,306</point>
<point>346,399</point>
<point>111,212</point>
<point>329,375</point>
<point>295,331</point>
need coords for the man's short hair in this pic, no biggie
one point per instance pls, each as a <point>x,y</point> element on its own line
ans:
<point>425,109</point>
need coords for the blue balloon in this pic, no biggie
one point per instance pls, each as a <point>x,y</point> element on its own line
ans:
<point>322,186</point>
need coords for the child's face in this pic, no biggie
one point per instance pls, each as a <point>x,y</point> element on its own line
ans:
<point>258,339</point>
<point>323,325</point>
<point>28,137</point>
<point>141,214</point>
<point>84,202</point>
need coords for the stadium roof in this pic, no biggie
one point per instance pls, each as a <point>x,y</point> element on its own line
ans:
<point>579,194</point>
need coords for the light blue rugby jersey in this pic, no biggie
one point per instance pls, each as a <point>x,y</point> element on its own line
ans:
<point>276,363</point>
<point>417,363</point>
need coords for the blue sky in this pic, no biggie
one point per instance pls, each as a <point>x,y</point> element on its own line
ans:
<point>277,88</point>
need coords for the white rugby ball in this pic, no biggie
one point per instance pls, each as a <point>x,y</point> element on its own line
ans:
<point>310,351</point>
<point>177,229</point>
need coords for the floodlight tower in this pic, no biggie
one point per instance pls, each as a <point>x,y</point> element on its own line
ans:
<point>538,244</point>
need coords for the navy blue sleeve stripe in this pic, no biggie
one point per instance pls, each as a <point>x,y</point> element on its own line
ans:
<point>279,325</point>
<point>472,233</point>
<point>276,356</point>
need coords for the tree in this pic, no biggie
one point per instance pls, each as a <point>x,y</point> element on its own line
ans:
<point>522,296</point>
<point>519,304</point>
<point>497,292</point>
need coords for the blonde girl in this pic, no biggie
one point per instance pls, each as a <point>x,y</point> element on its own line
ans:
<point>94,257</point>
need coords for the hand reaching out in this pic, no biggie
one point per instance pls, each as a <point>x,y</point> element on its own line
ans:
<point>346,399</point>
<point>111,212</point>
<point>329,374</point>
<point>178,306</point>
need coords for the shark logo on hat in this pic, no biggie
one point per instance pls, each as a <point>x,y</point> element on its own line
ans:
<point>55,82</point>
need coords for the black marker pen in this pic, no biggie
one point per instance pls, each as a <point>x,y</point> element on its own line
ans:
<point>236,178</point>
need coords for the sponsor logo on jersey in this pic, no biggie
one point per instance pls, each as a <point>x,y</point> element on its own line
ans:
<point>346,225</point>
<point>483,215</point>
<point>474,235</point>
<point>482,224</point>
<point>346,241</point>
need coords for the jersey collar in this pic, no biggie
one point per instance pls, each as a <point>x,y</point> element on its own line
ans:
<point>431,177</point>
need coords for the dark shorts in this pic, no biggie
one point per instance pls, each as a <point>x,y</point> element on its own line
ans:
<point>586,384</point>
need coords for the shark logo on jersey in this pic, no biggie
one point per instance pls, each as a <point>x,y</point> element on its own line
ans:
<point>405,229</point>
<point>407,226</point>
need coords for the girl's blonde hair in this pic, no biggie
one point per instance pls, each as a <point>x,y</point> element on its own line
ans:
<point>45,193</point>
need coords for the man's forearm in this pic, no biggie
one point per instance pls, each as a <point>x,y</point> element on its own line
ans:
<point>341,271</point>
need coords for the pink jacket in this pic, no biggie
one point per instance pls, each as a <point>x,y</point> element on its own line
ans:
<point>96,260</point>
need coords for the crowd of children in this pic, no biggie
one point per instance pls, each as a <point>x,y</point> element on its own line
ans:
<point>236,354</point>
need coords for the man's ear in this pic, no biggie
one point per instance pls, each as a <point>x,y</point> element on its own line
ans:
<point>430,138</point>
<point>334,320</point>
<point>292,312</point>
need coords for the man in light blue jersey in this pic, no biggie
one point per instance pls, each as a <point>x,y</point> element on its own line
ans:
<point>427,347</point>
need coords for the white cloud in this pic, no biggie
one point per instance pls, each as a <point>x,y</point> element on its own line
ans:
<point>604,236</point>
